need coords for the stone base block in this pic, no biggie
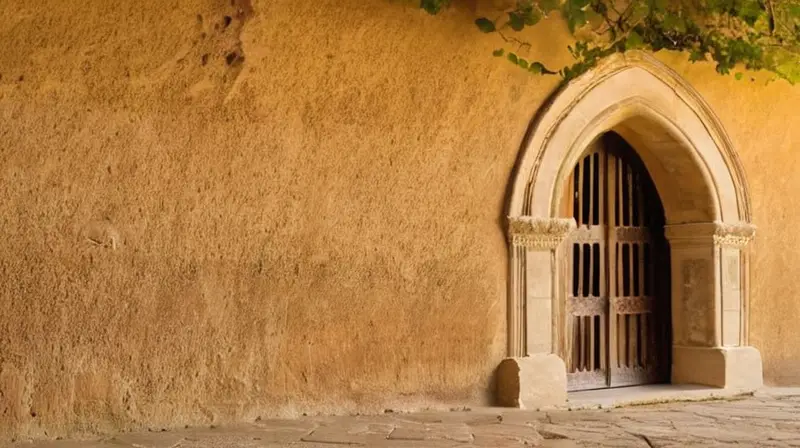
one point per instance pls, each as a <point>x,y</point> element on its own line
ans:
<point>727,367</point>
<point>532,382</point>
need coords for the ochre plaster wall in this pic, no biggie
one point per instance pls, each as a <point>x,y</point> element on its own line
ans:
<point>312,225</point>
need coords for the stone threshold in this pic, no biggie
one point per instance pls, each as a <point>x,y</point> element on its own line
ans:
<point>649,394</point>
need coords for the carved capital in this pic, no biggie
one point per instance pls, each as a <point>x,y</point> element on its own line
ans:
<point>717,233</point>
<point>539,233</point>
<point>734,235</point>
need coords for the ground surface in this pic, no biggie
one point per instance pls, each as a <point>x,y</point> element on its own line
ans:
<point>762,420</point>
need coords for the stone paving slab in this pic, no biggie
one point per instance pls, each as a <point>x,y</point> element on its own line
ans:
<point>770,420</point>
<point>456,432</point>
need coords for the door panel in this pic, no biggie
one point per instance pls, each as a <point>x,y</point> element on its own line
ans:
<point>618,311</point>
<point>587,307</point>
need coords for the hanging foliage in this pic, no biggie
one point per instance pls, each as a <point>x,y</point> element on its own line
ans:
<point>735,34</point>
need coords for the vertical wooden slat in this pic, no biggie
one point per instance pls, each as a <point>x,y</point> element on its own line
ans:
<point>581,345</point>
<point>581,265</point>
<point>645,339</point>
<point>587,343</point>
<point>620,292</point>
<point>590,195</point>
<point>622,338</point>
<point>581,193</point>
<point>580,348</point>
<point>581,269</point>
<point>626,185</point>
<point>603,318</point>
<point>655,330</point>
<point>652,327</point>
<point>644,219</point>
<point>581,262</point>
<point>602,193</point>
<point>575,344</point>
<point>590,220</point>
<point>643,325</point>
<point>613,265</point>
<point>603,342</point>
<point>621,193</point>
<point>630,340</point>
<point>633,329</point>
<point>602,202</point>
<point>629,185</point>
<point>641,268</point>
<point>592,342</point>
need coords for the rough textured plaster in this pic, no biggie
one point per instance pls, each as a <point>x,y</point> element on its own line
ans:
<point>316,227</point>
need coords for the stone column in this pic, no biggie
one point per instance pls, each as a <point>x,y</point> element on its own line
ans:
<point>533,375</point>
<point>708,306</point>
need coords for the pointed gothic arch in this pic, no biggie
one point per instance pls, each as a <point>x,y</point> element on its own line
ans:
<point>706,201</point>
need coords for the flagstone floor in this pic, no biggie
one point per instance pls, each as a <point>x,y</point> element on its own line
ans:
<point>766,419</point>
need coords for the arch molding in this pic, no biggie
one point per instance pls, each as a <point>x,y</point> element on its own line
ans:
<point>706,201</point>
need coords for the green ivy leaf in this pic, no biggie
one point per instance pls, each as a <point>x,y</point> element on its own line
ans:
<point>634,41</point>
<point>432,6</point>
<point>750,11</point>
<point>640,10</point>
<point>732,33</point>
<point>723,68</point>
<point>697,55</point>
<point>575,20</point>
<point>533,17</point>
<point>516,21</point>
<point>485,25</point>
<point>538,67</point>
<point>674,22</point>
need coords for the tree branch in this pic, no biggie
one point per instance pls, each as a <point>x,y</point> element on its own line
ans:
<point>521,43</point>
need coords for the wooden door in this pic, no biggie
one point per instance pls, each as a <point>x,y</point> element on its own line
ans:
<point>618,326</point>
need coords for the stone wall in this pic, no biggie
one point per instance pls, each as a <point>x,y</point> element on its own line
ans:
<point>213,211</point>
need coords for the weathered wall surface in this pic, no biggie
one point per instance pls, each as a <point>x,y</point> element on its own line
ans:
<point>315,228</point>
<point>293,209</point>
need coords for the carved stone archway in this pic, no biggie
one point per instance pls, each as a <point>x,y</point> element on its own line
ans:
<point>706,201</point>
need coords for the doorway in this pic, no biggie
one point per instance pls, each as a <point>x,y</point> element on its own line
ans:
<point>618,300</point>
